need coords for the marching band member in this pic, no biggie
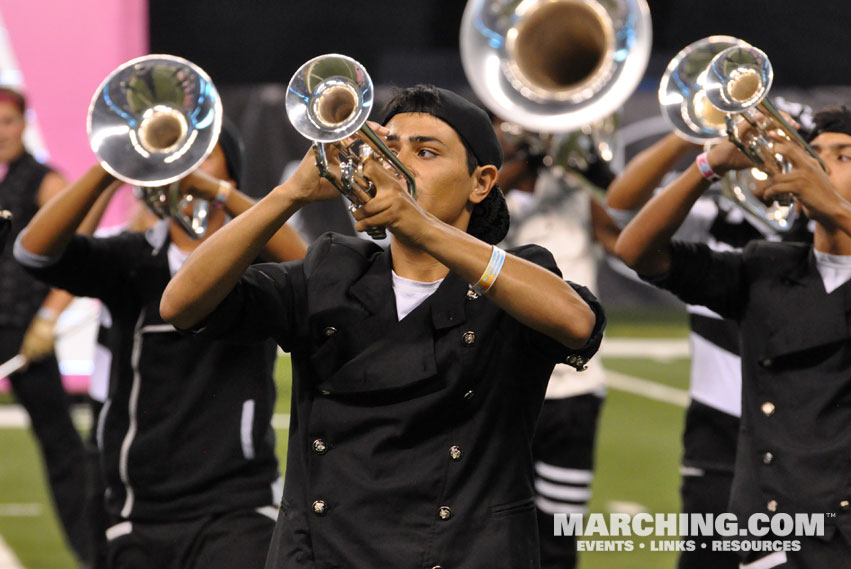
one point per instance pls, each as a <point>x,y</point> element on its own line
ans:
<point>419,371</point>
<point>187,446</point>
<point>790,303</point>
<point>28,314</point>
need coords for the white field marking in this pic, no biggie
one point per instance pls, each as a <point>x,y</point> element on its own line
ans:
<point>30,510</point>
<point>13,416</point>
<point>8,560</point>
<point>623,507</point>
<point>647,388</point>
<point>661,349</point>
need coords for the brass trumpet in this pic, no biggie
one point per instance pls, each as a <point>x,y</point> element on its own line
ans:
<point>706,88</point>
<point>328,101</point>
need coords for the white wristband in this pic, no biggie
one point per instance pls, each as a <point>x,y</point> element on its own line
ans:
<point>491,271</point>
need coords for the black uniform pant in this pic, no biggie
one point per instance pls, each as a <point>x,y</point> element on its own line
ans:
<point>224,541</point>
<point>706,492</point>
<point>39,390</point>
<point>563,452</point>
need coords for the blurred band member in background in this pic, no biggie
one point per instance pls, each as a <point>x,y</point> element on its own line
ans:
<point>187,445</point>
<point>28,314</point>
<point>557,210</point>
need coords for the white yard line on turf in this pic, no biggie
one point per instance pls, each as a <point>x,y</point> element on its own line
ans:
<point>647,388</point>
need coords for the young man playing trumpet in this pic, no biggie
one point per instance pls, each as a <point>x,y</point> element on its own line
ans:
<point>791,303</point>
<point>419,371</point>
<point>187,446</point>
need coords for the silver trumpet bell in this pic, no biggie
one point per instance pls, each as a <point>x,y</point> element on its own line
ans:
<point>328,101</point>
<point>555,65</point>
<point>153,121</point>
<point>738,80</point>
<point>737,83</point>
<point>682,97</point>
<point>705,87</point>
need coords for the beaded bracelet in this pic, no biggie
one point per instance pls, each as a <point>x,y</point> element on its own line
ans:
<point>488,277</point>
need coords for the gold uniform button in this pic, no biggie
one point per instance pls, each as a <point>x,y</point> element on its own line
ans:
<point>329,331</point>
<point>444,513</point>
<point>319,446</point>
<point>772,505</point>
<point>845,505</point>
<point>320,508</point>
<point>455,453</point>
<point>768,408</point>
<point>469,337</point>
<point>469,395</point>
<point>767,458</point>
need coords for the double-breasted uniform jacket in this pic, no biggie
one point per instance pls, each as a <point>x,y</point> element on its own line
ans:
<point>794,452</point>
<point>185,431</point>
<point>409,442</point>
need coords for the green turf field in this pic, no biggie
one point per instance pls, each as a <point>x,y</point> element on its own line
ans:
<point>637,459</point>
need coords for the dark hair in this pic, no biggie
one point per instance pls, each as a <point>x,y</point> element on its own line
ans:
<point>232,147</point>
<point>489,219</point>
<point>834,119</point>
<point>14,97</point>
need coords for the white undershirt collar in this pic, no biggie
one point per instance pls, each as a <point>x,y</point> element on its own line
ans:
<point>410,294</point>
<point>835,270</point>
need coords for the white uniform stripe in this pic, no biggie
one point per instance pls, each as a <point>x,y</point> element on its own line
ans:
<point>559,492</point>
<point>269,511</point>
<point>101,422</point>
<point>132,408</point>
<point>560,474</point>
<point>8,560</point>
<point>246,429</point>
<point>767,562</point>
<point>116,531</point>
<point>552,507</point>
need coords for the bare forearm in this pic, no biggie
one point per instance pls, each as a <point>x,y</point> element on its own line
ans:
<point>285,245</point>
<point>643,243</point>
<point>211,272</point>
<point>50,230</point>
<point>90,223</point>
<point>520,288</point>
<point>644,173</point>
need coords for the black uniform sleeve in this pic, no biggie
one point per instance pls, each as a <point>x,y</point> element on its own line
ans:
<point>262,305</point>
<point>704,277</point>
<point>95,267</point>
<point>549,347</point>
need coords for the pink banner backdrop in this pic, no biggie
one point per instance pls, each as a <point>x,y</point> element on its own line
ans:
<point>64,51</point>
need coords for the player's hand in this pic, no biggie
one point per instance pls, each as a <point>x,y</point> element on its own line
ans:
<point>38,342</point>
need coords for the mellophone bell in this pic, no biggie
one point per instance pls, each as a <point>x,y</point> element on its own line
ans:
<point>151,122</point>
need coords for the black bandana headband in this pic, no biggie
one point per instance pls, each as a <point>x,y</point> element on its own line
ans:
<point>469,121</point>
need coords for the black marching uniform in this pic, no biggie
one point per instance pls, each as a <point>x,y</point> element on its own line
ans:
<point>39,388</point>
<point>409,440</point>
<point>185,435</point>
<point>794,447</point>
